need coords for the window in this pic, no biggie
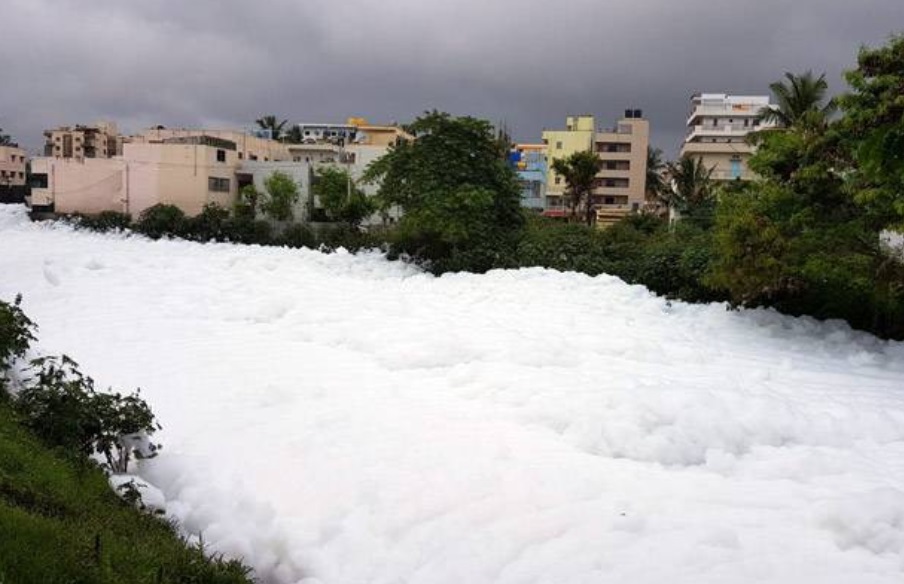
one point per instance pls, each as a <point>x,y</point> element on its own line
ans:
<point>218,185</point>
<point>221,156</point>
<point>609,200</point>
<point>21,175</point>
<point>735,168</point>
<point>241,155</point>
<point>558,180</point>
<point>715,122</point>
<point>38,181</point>
<point>558,145</point>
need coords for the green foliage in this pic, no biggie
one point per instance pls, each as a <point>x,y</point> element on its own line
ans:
<point>692,184</point>
<point>61,406</point>
<point>211,224</point>
<point>341,198</point>
<point>800,101</point>
<point>579,171</point>
<point>460,199</point>
<point>282,194</point>
<point>162,220</point>
<point>5,140</point>
<point>61,523</point>
<point>246,203</point>
<point>298,236</point>
<point>16,334</point>
<point>799,239</point>
<point>873,125</point>
<point>106,221</point>
<point>248,231</point>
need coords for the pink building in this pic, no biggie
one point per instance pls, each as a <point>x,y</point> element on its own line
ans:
<point>187,172</point>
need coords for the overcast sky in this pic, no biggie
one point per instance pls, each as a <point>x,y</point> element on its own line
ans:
<point>223,63</point>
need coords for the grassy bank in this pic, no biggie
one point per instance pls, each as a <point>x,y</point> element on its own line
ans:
<point>61,523</point>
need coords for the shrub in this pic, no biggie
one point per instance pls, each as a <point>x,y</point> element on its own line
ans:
<point>298,236</point>
<point>107,221</point>
<point>61,406</point>
<point>162,220</point>
<point>245,230</point>
<point>211,224</point>
<point>16,333</point>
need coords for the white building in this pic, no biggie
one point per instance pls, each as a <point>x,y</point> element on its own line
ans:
<point>717,131</point>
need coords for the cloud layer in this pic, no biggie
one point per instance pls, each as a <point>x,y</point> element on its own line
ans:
<point>529,63</point>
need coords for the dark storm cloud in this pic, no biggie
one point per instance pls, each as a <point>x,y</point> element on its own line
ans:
<point>527,62</point>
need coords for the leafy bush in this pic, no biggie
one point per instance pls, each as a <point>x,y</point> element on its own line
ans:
<point>104,221</point>
<point>211,224</point>
<point>16,333</point>
<point>245,230</point>
<point>298,236</point>
<point>61,406</point>
<point>282,194</point>
<point>162,220</point>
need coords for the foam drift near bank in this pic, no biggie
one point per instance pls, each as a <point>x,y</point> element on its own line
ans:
<point>341,418</point>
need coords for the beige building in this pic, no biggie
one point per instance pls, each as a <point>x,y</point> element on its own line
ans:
<point>620,186</point>
<point>717,130</point>
<point>187,172</point>
<point>101,140</point>
<point>13,162</point>
<point>248,146</point>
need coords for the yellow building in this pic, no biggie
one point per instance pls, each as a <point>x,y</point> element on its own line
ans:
<point>377,135</point>
<point>576,137</point>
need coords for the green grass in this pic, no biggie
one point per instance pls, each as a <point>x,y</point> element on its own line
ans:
<point>61,523</point>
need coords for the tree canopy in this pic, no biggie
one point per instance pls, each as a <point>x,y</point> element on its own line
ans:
<point>460,199</point>
<point>579,171</point>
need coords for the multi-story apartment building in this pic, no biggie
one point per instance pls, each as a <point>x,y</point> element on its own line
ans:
<point>102,140</point>
<point>619,188</point>
<point>621,183</point>
<point>576,137</point>
<point>717,130</point>
<point>529,163</point>
<point>12,166</point>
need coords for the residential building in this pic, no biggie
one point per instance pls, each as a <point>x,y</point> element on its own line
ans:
<point>248,146</point>
<point>621,183</point>
<point>188,172</point>
<point>12,166</point>
<point>576,137</point>
<point>717,131</point>
<point>102,140</point>
<point>529,163</point>
<point>375,135</point>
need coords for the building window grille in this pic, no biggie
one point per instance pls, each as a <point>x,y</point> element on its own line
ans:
<point>218,185</point>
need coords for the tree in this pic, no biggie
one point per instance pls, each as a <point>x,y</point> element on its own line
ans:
<point>293,136</point>
<point>873,128</point>
<point>460,199</point>
<point>270,123</point>
<point>692,183</point>
<point>5,140</point>
<point>340,197</point>
<point>247,202</point>
<point>579,171</point>
<point>282,194</point>
<point>799,100</point>
<point>655,185</point>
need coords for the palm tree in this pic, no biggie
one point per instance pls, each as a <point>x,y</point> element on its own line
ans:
<point>270,123</point>
<point>579,171</point>
<point>692,183</point>
<point>654,185</point>
<point>799,100</point>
